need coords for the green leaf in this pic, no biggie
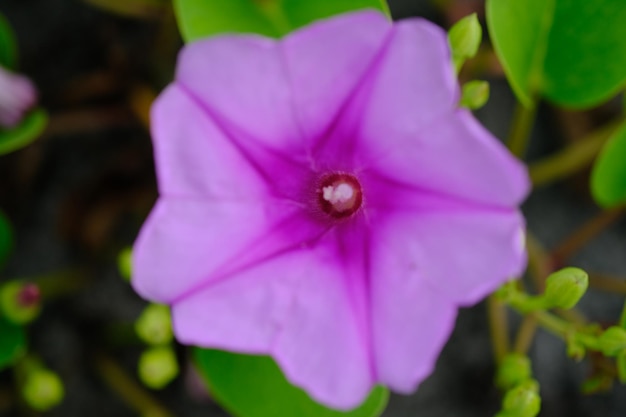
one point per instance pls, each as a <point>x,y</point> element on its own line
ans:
<point>608,178</point>
<point>12,342</point>
<point>571,51</point>
<point>6,238</point>
<point>201,18</point>
<point>301,13</point>
<point>254,386</point>
<point>8,49</point>
<point>22,135</point>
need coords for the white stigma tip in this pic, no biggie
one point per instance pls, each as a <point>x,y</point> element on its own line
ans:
<point>338,194</point>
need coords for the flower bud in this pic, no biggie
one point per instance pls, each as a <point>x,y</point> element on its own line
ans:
<point>613,341</point>
<point>124,263</point>
<point>154,326</point>
<point>43,389</point>
<point>17,96</point>
<point>514,369</point>
<point>464,38</point>
<point>20,302</point>
<point>475,94</point>
<point>158,367</point>
<point>565,288</point>
<point>523,400</point>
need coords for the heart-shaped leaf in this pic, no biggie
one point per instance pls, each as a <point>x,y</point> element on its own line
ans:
<point>8,50</point>
<point>608,179</point>
<point>571,51</point>
<point>254,386</point>
<point>12,342</point>
<point>201,18</point>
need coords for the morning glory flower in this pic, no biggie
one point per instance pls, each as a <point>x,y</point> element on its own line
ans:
<point>17,96</point>
<point>324,200</point>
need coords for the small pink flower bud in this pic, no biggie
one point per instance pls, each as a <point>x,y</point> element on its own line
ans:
<point>17,96</point>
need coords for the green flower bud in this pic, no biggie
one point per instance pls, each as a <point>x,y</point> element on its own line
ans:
<point>43,390</point>
<point>154,326</point>
<point>158,367</point>
<point>20,302</point>
<point>124,263</point>
<point>613,341</point>
<point>464,38</point>
<point>565,288</point>
<point>475,94</point>
<point>523,400</point>
<point>514,369</point>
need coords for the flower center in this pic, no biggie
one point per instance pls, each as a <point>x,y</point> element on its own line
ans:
<point>340,195</point>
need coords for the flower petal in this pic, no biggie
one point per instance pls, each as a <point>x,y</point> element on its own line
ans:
<point>463,254</point>
<point>194,157</point>
<point>295,307</point>
<point>327,60</point>
<point>456,156</point>
<point>241,79</point>
<point>414,83</point>
<point>411,322</point>
<point>188,243</point>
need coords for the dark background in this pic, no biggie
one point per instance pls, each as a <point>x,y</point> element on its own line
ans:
<point>78,196</point>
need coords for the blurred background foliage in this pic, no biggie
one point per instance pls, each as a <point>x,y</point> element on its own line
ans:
<point>78,181</point>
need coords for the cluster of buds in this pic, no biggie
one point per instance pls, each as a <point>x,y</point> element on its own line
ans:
<point>522,391</point>
<point>158,365</point>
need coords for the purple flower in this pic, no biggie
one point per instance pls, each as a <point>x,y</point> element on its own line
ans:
<point>324,200</point>
<point>17,96</point>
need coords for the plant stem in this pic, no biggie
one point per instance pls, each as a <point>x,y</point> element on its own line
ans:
<point>564,329</point>
<point>585,233</point>
<point>77,122</point>
<point>60,283</point>
<point>525,334</point>
<point>573,158</point>
<point>141,99</point>
<point>540,263</point>
<point>523,120</point>
<point>129,390</point>
<point>607,283</point>
<point>499,328</point>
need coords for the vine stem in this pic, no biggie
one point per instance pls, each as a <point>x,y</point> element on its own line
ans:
<point>526,334</point>
<point>128,389</point>
<point>585,233</point>
<point>523,120</point>
<point>499,328</point>
<point>607,283</point>
<point>573,158</point>
<point>563,328</point>
<point>61,283</point>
